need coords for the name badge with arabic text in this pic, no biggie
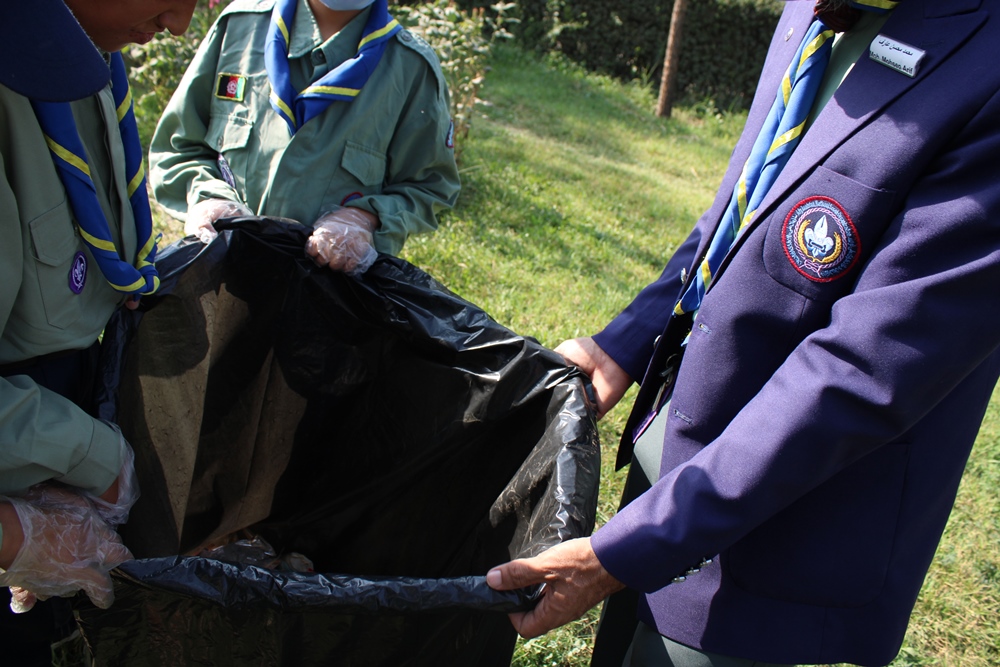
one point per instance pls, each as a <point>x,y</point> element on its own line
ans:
<point>896,55</point>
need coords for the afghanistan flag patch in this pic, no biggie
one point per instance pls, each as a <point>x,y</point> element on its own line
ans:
<point>230,87</point>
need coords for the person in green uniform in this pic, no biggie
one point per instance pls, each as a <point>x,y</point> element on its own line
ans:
<point>326,112</point>
<point>77,244</point>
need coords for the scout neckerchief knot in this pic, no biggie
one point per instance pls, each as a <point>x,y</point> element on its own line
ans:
<point>342,83</point>
<point>779,135</point>
<point>70,158</point>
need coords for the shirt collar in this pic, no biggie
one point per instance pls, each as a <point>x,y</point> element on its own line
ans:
<point>305,35</point>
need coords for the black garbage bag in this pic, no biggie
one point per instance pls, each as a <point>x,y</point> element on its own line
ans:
<point>383,427</point>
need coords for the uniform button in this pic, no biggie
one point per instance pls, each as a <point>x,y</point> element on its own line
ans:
<point>318,58</point>
<point>405,36</point>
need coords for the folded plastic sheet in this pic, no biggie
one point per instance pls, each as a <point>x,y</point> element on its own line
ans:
<point>384,427</point>
<point>266,589</point>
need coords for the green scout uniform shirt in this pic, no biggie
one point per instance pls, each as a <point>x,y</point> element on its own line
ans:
<point>390,149</point>
<point>43,435</point>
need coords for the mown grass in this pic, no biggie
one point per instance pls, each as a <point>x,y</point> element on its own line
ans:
<point>574,194</point>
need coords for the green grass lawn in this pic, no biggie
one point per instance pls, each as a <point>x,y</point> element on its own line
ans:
<point>574,194</point>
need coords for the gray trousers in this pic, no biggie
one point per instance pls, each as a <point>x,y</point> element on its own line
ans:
<point>650,649</point>
<point>622,640</point>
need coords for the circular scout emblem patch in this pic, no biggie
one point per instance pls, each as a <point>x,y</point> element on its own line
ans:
<point>78,273</point>
<point>820,240</point>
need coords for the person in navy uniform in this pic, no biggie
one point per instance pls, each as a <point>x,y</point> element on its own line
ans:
<point>805,428</point>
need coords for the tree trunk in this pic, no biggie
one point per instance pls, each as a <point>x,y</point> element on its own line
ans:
<point>667,84</point>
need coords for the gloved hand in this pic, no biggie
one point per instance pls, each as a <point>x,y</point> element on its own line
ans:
<point>128,486</point>
<point>21,600</point>
<point>200,217</point>
<point>67,547</point>
<point>343,240</point>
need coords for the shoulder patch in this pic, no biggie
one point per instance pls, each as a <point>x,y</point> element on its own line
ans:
<point>820,239</point>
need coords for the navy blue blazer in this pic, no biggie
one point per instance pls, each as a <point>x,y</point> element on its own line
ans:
<point>840,365</point>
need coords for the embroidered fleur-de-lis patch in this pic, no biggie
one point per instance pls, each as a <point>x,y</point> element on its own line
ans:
<point>78,273</point>
<point>820,239</point>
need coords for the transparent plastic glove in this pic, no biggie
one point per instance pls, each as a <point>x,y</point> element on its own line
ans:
<point>342,240</point>
<point>21,600</point>
<point>128,486</point>
<point>201,216</point>
<point>67,547</point>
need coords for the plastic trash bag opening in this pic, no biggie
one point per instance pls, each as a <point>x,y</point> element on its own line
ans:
<point>384,427</point>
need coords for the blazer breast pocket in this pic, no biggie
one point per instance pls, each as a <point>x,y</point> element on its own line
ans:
<point>820,235</point>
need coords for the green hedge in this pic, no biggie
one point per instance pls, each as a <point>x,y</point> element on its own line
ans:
<point>722,50</point>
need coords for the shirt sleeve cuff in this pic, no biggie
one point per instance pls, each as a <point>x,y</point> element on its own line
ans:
<point>102,463</point>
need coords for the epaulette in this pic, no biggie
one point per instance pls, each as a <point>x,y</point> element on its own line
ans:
<point>417,43</point>
<point>247,6</point>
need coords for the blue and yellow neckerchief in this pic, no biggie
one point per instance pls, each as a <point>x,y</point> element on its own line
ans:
<point>342,83</point>
<point>779,135</point>
<point>70,158</point>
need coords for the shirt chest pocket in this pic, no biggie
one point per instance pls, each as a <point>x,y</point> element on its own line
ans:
<point>366,165</point>
<point>821,235</point>
<point>229,136</point>
<point>54,247</point>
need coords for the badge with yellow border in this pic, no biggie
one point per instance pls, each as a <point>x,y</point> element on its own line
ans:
<point>230,87</point>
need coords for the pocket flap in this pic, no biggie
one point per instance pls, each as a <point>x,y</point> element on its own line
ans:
<point>227,132</point>
<point>52,237</point>
<point>366,165</point>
